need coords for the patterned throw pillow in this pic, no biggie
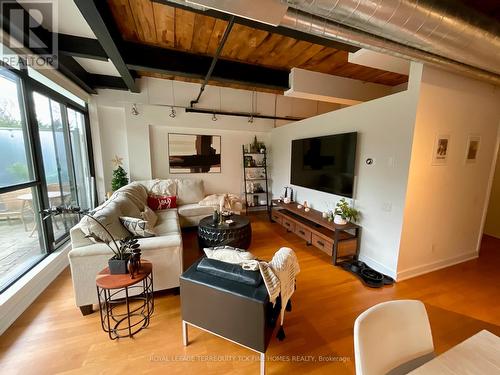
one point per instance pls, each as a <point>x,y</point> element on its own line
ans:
<point>137,227</point>
<point>161,202</point>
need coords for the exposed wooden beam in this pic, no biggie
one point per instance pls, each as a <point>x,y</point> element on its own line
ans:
<point>299,35</point>
<point>97,15</point>
<point>81,47</point>
<point>161,60</point>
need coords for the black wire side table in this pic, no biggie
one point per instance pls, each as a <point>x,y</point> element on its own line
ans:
<point>125,304</point>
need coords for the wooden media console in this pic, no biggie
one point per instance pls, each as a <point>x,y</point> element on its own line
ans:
<point>338,241</point>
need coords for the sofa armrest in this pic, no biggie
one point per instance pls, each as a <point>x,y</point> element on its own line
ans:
<point>78,238</point>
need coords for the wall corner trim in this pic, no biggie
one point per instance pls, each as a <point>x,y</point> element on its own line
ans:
<point>377,266</point>
<point>434,266</point>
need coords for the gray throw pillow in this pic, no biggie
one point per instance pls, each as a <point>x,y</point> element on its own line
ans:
<point>137,227</point>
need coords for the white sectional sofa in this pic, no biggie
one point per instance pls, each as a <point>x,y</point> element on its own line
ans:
<point>164,250</point>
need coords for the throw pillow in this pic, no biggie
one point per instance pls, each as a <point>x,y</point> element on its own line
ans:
<point>189,190</point>
<point>162,202</point>
<point>149,215</point>
<point>137,227</point>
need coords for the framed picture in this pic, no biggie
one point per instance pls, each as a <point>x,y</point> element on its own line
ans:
<point>441,149</point>
<point>192,153</point>
<point>472,151</point>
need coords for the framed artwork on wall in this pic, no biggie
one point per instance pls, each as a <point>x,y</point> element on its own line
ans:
<point>192,153</point>
<point>441,149</point>
<point>472,151</point>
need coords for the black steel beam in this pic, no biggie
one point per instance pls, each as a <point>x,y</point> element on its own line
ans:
<point>100,81</point>
<point>81,47</point>
<point>162,60</point>
<point>285,31</point>
<point>214,60</point>
<point>100,20</point>
<point>241,114</point>
<point>65,64</point>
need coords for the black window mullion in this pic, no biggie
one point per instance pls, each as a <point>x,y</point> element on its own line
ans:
<point>42,192</point>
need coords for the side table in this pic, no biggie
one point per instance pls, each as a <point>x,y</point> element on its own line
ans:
<point>125,304</point>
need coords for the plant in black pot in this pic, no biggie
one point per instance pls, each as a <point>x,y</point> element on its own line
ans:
<point>122,249</point>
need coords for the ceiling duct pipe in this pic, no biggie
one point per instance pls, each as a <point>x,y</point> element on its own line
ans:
<point>441,33</point>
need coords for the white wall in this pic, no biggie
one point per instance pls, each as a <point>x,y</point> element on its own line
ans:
<point>385,129</point>
<point>113,136</point>
<point>142,140</point>
<point>231,177</point>
<point>445,204</point>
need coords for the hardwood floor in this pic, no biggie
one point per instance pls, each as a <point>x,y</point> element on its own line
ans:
<point>51,337</point>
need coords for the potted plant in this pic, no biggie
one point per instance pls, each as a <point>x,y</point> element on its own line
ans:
<point>122,249</point>
<point>344,213</point>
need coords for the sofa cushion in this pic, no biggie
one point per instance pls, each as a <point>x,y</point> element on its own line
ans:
<point>189,191</point>
<point>108,214</point>
<point>229,271</point>
<point>194,209</point>
<point>162,202</point>
<point>137,227</point>
<point>168,223</point>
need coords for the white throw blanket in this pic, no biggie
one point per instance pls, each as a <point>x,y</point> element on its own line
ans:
<point>278,275</point>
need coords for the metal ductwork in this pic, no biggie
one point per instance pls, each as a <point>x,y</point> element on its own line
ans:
<point>442,33</point>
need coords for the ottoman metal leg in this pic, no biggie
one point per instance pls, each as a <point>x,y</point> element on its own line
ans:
<point>262,363</point>
<point>184,333</point>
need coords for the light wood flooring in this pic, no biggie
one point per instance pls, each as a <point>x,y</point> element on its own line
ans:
<point>52,337</point>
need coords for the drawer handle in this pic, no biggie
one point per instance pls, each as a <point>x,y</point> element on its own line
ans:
<point>302,232</point>
<point>322,244</point>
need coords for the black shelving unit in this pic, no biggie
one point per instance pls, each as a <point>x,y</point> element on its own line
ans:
<point>262,157</point>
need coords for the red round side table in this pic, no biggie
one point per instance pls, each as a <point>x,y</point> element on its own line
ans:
<point>125,304</point>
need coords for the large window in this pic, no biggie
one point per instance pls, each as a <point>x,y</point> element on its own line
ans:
<point>44,162</point>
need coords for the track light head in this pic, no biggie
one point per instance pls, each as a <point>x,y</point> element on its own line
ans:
<point>172,112</point>
<point>214,118</point>
<point>135,111</point>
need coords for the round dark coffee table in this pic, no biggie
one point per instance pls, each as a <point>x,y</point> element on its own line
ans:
<point>237,234</point>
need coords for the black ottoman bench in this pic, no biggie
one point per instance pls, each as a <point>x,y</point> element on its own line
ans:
<point>233,305</point>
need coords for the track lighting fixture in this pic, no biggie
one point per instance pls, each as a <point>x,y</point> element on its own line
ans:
<point>214,118</point>
<point>172,112</point>
<point>135,112</point>
<point>250,119</point>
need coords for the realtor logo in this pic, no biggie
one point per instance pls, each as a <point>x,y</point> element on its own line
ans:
<point>29,32</point>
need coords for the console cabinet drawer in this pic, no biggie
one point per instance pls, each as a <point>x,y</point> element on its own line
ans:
<point>288,224</point>
<point>303,232</point>
<point>277,216</point>
<point>322,244</point>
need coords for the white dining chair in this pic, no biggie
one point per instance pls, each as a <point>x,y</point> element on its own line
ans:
<point>392,338</point>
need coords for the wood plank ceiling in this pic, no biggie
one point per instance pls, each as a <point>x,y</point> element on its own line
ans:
<point>148,22</point>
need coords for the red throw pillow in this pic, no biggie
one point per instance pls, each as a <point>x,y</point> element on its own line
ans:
<point>162,202</point>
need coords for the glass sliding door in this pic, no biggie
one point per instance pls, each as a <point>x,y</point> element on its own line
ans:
<point>21,237</point>
<point>76,123</point>
<point>57,162</point>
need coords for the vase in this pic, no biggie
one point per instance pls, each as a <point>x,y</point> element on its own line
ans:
<point>118,266</point>
<point>215,217</point>
<point>339,220</point>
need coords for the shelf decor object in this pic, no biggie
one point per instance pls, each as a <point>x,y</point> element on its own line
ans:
<point>255,178</point>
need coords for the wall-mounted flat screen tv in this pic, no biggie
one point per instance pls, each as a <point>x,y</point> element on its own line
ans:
<point>325,163</point>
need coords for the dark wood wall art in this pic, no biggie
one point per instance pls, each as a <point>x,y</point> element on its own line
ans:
<point>192,153</point>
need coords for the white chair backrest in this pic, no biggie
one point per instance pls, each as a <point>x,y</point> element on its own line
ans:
<point>390,334</point>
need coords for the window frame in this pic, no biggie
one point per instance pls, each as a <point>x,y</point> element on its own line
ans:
<point>28,86</point>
